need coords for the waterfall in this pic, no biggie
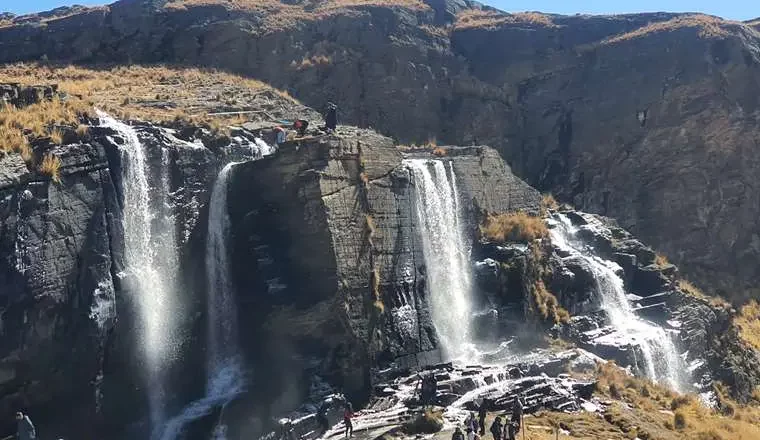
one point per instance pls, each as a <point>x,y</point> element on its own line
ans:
<point>224,369</point>
<point>150,260</point>
<point>445,252</point>
<point>661,360</point>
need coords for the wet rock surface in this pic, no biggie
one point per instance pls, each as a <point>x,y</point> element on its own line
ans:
<point>538,378</point>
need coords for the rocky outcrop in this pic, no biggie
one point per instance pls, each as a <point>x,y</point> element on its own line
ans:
<point>638,117</point>
<point>328,255</point>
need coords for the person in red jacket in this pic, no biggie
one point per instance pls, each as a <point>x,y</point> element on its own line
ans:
<point>348,414</point>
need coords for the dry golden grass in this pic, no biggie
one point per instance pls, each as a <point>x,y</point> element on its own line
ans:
<point>282,16</point>
<point>20,126</point>
<point>51,166</point>
<point>489,19</point>
<point>547,305</point>
<point>155,93</point>
<point>708,27</point>
<point>519,227</point>
<point>747,322</point>
<point>548,202</point>
<point>661,260</point>
<point>690,289</point>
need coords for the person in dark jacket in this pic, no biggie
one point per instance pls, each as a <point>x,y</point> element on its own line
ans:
<point>496,429</point>
<point>331,117</point>
<point>482,412</point>
<point>458,434</point>
<point>324,424</point>
<point>26,429</point>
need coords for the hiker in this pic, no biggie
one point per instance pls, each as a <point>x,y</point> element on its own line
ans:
<point>324,424</point>
<point>331,117</point>
<point>516,422</point>
<point>471,422</point>
<point>348,413</point>
<point>25,427</point>
<point>496,429</point>
<point>429,389</point>
<point>482,412</point>
<point>280,135</point>
<point>517,411</point>
<point>300,127</point>
<point>457,435</point>
<point>470,433</point>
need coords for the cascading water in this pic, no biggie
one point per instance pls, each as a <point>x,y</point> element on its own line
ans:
<point>225,379</point>
<point>661,360</point>
<point>445,252</point>
<point>149,257</point>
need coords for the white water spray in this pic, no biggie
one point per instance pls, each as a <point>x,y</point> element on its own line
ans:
<point>150,261</point>
<point>660,357</point>
<point>445,252</point>
<point>225,379</point>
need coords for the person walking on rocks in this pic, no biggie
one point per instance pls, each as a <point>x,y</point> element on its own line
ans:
<point>26,429</point>
<point>516,422</point>
<point>470,433</point>
<point>457,435</point>
<point>348,414</point>
<point>496,429</point>
<point>324,424</point>
<point>482,412</point>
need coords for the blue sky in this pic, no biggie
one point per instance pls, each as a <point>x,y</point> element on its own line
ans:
<point>732,9</point>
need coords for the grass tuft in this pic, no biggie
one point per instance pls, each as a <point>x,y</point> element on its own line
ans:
<point>51,166</point>
<point>517,227</point>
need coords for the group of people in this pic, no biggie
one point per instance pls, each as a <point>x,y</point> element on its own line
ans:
<point>301,125</point>
<point>475,427</point>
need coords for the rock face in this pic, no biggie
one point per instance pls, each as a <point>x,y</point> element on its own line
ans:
<point>328,256</point>
<point>68,324</point>
<point>639,117</point>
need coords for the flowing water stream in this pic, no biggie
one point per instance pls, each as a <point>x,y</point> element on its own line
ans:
<point>660,358</point>
<point>446,253</point>
<point>150,259</point>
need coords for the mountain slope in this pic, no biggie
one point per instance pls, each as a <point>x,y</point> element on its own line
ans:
<point>651,118</point>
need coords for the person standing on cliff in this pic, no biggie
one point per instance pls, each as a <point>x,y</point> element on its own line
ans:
<point>331,117</point>
<point>26,429</point>
<point>348,414</point>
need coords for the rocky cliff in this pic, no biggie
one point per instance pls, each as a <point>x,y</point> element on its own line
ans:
<point>328,255</point>
<point>638,117</point>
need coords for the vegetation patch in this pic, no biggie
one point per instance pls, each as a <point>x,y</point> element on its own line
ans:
<point>747,322</point>
<point>516,227</point>
<point>51,166</point>
<point>492,19</point>
<point>548,203</point>
<point>707,26</point>
<point>152,93</point>
<point>19,127</point>
<point>547,304</point>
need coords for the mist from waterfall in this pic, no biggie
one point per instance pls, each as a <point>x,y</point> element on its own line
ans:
<point>661,360</point>
<point>446,253</point>
<point>150,259</point>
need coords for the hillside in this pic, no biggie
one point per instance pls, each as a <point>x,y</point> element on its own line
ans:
<point>644,118</point>
<point>170,268</point>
